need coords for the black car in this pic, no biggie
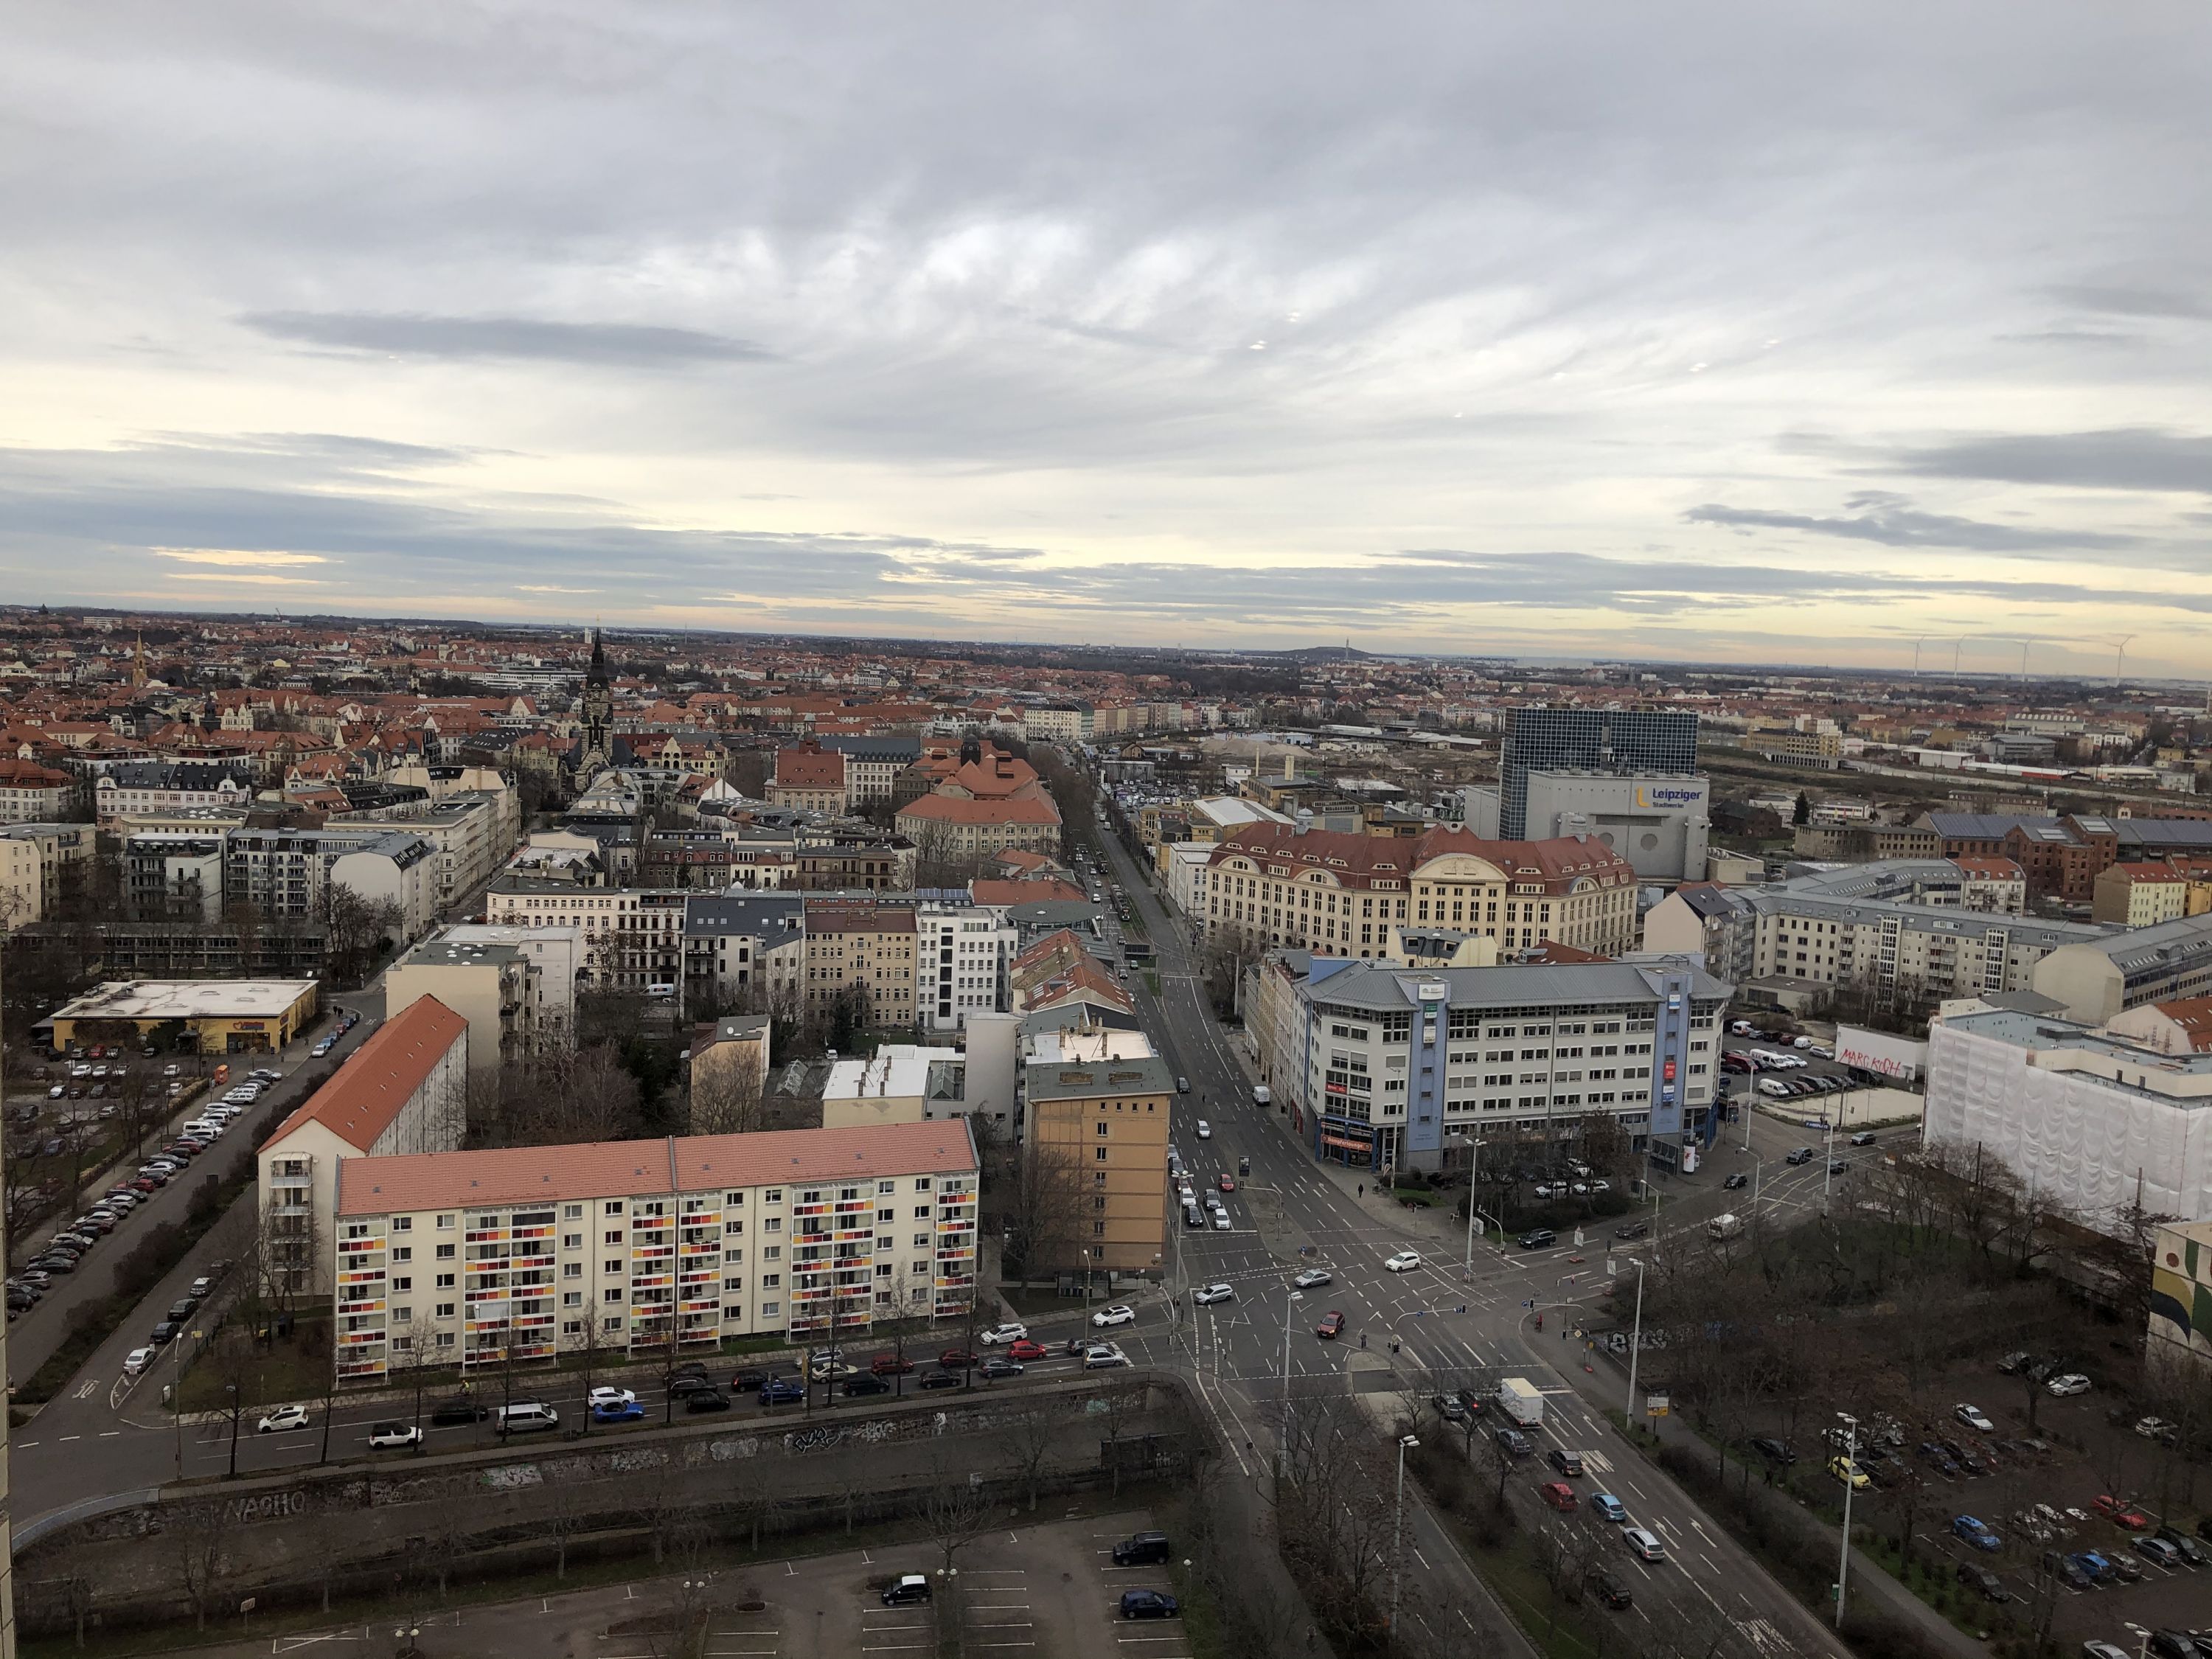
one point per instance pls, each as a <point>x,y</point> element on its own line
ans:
<point>2175,1645</point>
<point>1566,1462</point>
<point>1803,1155</point>
<point>163,1334</point>
<point>459,1409</point>
<point>2066,1569</point>
<point>1608,1589</point>
<point>937,1379</point>
<point>749,1380</point>
<point>1513,1443</point>
<point>689,1368</point>
<point>1538,1239</point>
<point>708,1399</point>
<point>1984,1581</point>
<point>1147,1604</point>
<point>1735,1182</point>
<point>1633,1230</point>
<point>866,1383</point>
<point>1143,1549</point>
<point>183,1308</point>
<point>690,1383</point>
<point>1836,1166</point>
<point>1773,1450</point>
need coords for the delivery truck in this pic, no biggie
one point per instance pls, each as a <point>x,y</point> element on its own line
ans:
<point>1518,1399</point>
<point>1724,1226</point>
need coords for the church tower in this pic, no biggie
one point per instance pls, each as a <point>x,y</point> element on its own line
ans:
<point>596,751</point>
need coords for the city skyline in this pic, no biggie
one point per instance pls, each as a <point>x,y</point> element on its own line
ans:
<point>1708,339</point>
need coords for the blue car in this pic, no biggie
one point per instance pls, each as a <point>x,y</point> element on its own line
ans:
<point>1608,1507</point>
<point>782,1391</point>
<point>1977,1532</point>
<point>626,1410</point>
<point>2100,1569</point>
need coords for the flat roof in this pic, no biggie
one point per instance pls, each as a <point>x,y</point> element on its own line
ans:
<point>1146,1074</point>
<point>190,999</point>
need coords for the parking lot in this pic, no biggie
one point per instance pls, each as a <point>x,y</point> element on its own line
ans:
<point>2063,1507</point>
<point>1048,1590</point>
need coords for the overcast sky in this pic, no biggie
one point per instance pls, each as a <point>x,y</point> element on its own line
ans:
<point>1717,331</point>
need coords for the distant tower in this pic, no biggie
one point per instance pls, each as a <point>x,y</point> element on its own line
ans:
<point>596,753</point>
<point>139,662</point>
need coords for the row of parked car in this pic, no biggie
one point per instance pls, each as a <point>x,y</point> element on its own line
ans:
<point>347,1020</point>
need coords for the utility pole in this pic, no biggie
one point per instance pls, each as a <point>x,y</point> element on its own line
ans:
<point>1851,1463</point>
<point>1405,1442</point>
<point>1635,1341</point>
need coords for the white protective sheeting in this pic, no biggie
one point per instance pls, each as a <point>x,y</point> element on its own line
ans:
<point>2076,1140</point>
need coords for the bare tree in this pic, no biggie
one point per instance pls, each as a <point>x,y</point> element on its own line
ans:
<point>199,1542</point>
<point>557,1099</point>
<point>567,1503</point>
<point>1029,1437</point>
<point>1041,1208</point>
<point>726,1100</point>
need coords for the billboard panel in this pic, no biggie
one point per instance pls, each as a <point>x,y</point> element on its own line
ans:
<point>1883,1053</point>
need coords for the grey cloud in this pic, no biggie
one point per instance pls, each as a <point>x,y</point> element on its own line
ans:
<point>2119,457</point>
<point>1886,520</point>
<point>627,345</point>
<point>2132,301</point>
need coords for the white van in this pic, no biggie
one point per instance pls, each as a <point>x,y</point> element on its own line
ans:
<point>662,992</point>
<point>1261,1096</point>
<point>525,1417</point>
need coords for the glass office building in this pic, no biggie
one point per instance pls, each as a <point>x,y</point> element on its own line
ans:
<point>1607,740</point>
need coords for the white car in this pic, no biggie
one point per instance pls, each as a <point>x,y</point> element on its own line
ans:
<point>1311,1276</point>
<point>1205,1130</point>
<point>1972,1417</point>
<point>1010,1333</point>
<point>1207,1295</point>
<point>1404,1262</point>
<point>2072,1383</point>
<point>1221,1221</point>
<point>606,1396</point>
<point>385,1437</point>
<point>137,1361</point>
<point>1120,1314</point>
<point>283,1418</point>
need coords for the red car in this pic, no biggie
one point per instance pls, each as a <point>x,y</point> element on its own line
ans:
<point>2120,1513</point>
<point>888,1364</point>
<point>1026,1351</point>
<point>1332,1324</point>
<point>1559,1494</point>
<point>1228,1185</point>
<point>955,1359</point>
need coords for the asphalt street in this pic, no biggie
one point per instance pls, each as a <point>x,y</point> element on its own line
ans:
<point>1451,1326</point>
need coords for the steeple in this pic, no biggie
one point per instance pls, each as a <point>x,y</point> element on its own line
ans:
<point>598,656</point>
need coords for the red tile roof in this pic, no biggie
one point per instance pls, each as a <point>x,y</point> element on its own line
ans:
<point>624,1168</point>
<point>359,1102</point>
<point>1034,891</point>
<point>1356,861</point>
<point>952,809</point>
<point>810,766</point>
<point>2194,1016</point>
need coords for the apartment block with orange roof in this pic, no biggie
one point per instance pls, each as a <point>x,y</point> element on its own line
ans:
<point>641,1247</point>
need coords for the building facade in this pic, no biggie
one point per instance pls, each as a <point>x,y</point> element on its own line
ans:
<point>962,955</point>
<point>1098,1104</point>
<point>1411,1069</point>
<point>1622,742</point>
<point>645,1247</point>
<point>867,948</point>
<point>1338,893</point>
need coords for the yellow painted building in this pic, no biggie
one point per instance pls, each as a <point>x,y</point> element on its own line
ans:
<point>223,1016</point>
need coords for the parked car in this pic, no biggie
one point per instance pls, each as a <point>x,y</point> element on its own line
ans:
<point>1773,1450</point>
<point>1142,1549</point>
<point>2068,1382</point>
<point>1512,1442</point>
<point>2192,1551</point>
<point>1147,1604</point>
<point>2120,1512</point>
<point>861,1383</point>
<point>1644,1544</point>
<point>997,1369</point>
<point>1735,1181</point>
<point>137,1361</point>
<point>889,1364</point>
<point>908,1590</point>
<point>2067,1570</point>
<point>390,1436</point>
<point>458,1409</point>
<point>936,1379</point>
<point>789,1390</point>
<point>1609,1589</point>
<point>708,1399</point>
<point>1849,1472</point>
<point>1986,1583</point>
<point>1978,1533</point>
<point>1972,1417</point>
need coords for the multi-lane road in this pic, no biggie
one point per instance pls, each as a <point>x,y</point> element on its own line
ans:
<point>1450,1326</point>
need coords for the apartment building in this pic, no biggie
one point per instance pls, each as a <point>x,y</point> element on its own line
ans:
<point>1904,931</point>
<point>809,779</point>
<point>65,857</point>
<point>2144,894</point>
<point>172,877</point>
<point>633,938</point>
<point>1411,1069</point>
<point>32,794</point>
<point>2094,979</point>
<point>495,987</point>
<point>1099,1102</point>
<point>556,953</point>
<point>22,896</point>
<point>405,1089</point>
<point>872,764</point>
<point>473,830</point>
<point>138,787</point>
<point>2090,1122</point>
<point>1338,893</point>
<point>729,1074</point>
<point>962,955</point>
<point>287,874</point>
<point>638,1247</point>
<point>745,948</point>
<point>867,946</point>
<point>958,828</point>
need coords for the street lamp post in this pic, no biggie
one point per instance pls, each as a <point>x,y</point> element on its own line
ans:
<point>2142,1638</point>
<point>1827,1165</point>
<point>231,1389</point>
<point>1406,1443</point>
<point>1851,1463</point>
<point>1636,1339</point>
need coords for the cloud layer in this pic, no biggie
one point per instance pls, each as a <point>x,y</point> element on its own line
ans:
<point>1705,333</point>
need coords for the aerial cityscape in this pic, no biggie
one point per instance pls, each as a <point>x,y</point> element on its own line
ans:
<point>1125,836</point>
